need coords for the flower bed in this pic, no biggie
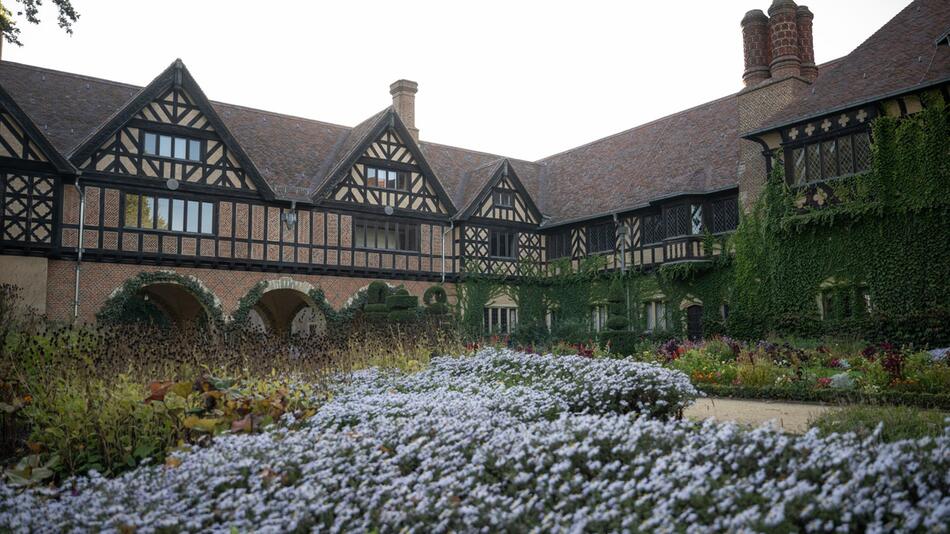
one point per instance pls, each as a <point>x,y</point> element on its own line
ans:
<point>846,372</point>
<point>491,443</point>
<point>584,385</point>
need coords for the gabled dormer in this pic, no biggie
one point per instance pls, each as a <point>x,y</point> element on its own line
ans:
<point>503,198</point>
<point>170,131</point>
<point>380,167</point>
<point>30,168</point>
<point>23,145</point>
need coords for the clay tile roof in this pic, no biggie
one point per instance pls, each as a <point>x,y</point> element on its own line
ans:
<point>475,181</point>
<point>898,57</point>
<point>451,164</point>
<point>344,149</point>
<point>691,151</point>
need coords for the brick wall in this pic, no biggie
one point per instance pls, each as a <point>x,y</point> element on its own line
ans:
<point>99,280</point>
<point>756,105</point>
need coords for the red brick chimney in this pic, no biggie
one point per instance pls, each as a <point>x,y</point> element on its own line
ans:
<point>404,102</point>
<point>806,43</point>
<point>783,33</point>
<point>756,47</point>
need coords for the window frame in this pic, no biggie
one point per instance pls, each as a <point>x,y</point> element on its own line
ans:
<point>669,220</point>
<point>721,207</point>
<point>203,206</point>
<point>173,138</point>
<point>492,315</point>
<point>556,242</point>
<point>790,150</point>
<point>598,317</point>
<point>651,309</point>
<point>383,225</point>
<point>608,234</point>
<point>400,176</point>
<point>498,194</point>
<point>494,236</point>
<point>659,225</point>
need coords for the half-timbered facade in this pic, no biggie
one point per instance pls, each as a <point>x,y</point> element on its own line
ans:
<point>101,179</point>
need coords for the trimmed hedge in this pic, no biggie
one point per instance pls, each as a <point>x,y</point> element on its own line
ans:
<point>939,401</point>
<point>621,343</point>
<point>402,306</point>
<point>402,302</point>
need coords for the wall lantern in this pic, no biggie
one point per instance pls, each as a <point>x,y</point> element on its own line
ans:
<point>290,216</point>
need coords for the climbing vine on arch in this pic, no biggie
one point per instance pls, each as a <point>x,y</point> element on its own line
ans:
<point>127,304</point>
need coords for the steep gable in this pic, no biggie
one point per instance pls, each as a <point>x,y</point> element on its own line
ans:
<point>20,139</point>
<point>170,131</point>
<point>503,197</point>
<point>381,166</point>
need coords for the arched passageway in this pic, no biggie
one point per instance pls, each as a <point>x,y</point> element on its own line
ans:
<point>179,306</point>
<point>285,311</point>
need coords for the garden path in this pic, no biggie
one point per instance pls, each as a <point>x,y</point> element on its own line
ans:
<point>788,416</point>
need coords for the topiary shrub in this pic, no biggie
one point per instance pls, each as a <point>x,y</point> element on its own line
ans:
<point>436,300</point>
<point>402,306</point>
<point>376,295</point>
<point>622,343</point>
<point>616,307</point>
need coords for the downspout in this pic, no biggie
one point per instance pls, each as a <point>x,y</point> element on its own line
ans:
<point>451,228</point>
<point>623,264</point>
<point>79,248</point>
<point>623,243</point>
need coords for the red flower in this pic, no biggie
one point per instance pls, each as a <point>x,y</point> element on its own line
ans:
<point>824,382</point>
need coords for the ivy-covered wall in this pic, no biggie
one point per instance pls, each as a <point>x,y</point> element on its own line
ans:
<point>882,236</point>
<point>876,245</point>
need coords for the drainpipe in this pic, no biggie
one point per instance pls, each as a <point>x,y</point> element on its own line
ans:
<point>451,227</point>
<point>623,243</point>
<point>82,220</point>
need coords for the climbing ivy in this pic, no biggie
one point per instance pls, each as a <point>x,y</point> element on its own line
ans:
<point>885,236</point>
<point>883,233</point>
<point>127,305</point>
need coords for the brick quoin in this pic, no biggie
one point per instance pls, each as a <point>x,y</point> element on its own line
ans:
<point>99,280</point>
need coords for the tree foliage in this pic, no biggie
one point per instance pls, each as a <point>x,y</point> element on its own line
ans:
<point>29,10</point>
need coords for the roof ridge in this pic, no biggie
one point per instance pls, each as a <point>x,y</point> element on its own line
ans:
<point>140,87</point>
<point>637,127</point>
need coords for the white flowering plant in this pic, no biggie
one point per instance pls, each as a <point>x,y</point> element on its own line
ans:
<point>481,445</point>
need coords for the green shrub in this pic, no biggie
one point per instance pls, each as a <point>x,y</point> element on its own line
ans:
<point>402,302</point>
<point>436,300</point>
<point>437,308</point>
<point>758,374</point>
<point>402,306</point>
<point>924,374</point>
<point>532,334</point>
<point>617,306</point>
<point>375,308</point>
<point>622,343</point>
<point>572,332</point>
<point>719,350</point>
<point>899,422</point>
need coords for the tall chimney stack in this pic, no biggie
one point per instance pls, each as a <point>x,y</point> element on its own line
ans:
<point>783,33</point>
<point>806,43</point>
<point>404,102</point>
<point>756,46</point>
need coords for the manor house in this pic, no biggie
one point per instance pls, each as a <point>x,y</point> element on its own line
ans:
<point>103,181</point>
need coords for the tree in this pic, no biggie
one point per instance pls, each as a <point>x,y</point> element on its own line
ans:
<point>30,10</point>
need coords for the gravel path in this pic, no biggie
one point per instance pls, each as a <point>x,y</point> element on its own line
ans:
<point>789,416</point>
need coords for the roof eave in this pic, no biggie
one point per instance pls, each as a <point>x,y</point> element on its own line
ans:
<point>856,103</point>
<point>640,206</point>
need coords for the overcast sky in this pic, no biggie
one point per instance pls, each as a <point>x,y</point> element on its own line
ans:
<point>521,79</point>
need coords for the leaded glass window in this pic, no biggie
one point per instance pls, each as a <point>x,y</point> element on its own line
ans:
<point>840,156</point>
<point>677,220</point>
